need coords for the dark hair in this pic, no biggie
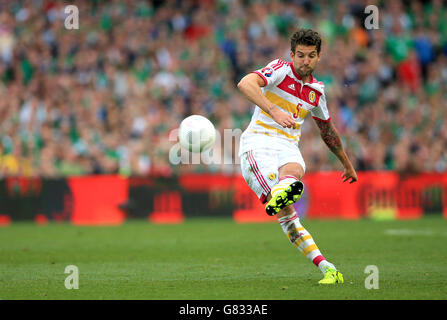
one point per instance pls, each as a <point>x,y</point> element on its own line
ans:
<point>306,37</point>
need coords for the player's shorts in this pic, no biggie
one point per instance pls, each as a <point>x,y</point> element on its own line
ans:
<point>260,168</point>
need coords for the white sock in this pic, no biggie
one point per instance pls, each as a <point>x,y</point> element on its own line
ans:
<point>303,241</point>
<point>324,264</point>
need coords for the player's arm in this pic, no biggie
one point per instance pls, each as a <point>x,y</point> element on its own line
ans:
<point>250,86</point>
<point>330,136</point>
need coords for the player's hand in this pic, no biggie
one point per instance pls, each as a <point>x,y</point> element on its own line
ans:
<point>283,119</point>
<point>349,174</point>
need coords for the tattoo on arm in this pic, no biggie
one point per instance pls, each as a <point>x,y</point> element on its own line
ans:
<point>329,135</point>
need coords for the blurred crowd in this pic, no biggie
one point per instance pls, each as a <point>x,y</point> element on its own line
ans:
<point>105,98</point>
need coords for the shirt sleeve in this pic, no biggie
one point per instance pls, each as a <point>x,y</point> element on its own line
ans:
<point>321,112</point>
<point>271,73</point>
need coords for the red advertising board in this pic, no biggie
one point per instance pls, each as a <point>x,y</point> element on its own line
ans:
<point>386,195</point>
<point>102,199</point>
<point>96,199</point>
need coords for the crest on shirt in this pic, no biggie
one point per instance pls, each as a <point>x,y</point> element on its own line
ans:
<point>272,176</point>
<point>267,71</point>
<point>312,96</point>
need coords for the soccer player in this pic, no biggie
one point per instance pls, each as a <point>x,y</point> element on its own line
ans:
<point>271,162</point>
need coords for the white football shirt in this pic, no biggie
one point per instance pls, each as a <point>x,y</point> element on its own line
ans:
<point>284,88</point>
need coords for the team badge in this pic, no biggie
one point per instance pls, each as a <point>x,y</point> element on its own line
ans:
<point>267,71</point>
<point>272,176</point>
<point>312,96</point>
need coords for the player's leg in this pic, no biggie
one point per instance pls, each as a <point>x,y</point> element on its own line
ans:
<point>290,222</point>
<point>297,234</point>
<point>258,170</point>
<point>303,241</point>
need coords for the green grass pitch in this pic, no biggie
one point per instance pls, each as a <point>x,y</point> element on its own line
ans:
<point>218,259</point>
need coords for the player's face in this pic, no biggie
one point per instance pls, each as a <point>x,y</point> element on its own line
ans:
<point>304,59</point>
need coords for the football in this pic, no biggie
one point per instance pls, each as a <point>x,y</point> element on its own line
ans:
<point>196,133</point>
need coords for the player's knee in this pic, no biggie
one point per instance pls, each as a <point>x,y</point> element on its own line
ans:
<point>299,175</point>
<point>296,173</point>
<point>299,172</point>
<point>294,170</point>
<point>286,211</point>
